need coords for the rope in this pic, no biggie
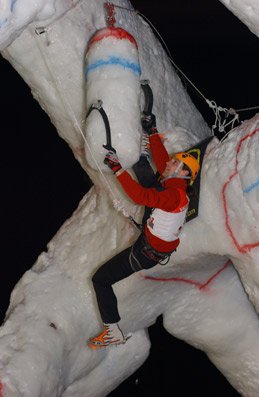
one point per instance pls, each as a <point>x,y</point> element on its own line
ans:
<point>68,109</point>
<point>245,109</point>
<point>219,123</point>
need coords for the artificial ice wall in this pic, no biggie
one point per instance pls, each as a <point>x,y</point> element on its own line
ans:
<point>208,293</point>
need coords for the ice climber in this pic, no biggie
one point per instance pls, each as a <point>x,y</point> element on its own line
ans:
<point>168,202</point>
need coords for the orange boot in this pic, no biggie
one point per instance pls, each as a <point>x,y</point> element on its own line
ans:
<point>111,335</point>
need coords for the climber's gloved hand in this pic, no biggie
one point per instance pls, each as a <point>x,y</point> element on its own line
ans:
<point>148,122</point>
<point>112,161</point>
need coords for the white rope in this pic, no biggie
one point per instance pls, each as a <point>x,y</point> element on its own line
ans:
<point>246,109</point>
<point>68,109</point>
<point>220,123</point>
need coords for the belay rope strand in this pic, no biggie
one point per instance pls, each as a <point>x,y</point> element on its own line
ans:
<point>37,34</point>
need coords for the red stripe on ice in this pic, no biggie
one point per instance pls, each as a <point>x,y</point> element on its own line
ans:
<point>1,390</point>
<point>117,33</point>
<point>197,284</point>
<point>243,248</point>
<point>110,11</point>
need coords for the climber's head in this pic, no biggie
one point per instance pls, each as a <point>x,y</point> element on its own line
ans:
<point>190,163</point>
<point>182,165</point>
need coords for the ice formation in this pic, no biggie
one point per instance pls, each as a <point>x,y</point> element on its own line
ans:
<point>247,11</point>
<point>53,310</point>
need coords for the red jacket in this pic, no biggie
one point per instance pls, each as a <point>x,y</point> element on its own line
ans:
<point>170,199</point>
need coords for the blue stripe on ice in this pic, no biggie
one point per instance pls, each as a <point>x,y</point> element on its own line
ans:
<point>115,61</point>
<point>251,187</point>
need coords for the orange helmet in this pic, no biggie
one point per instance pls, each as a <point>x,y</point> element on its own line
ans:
<point>190,161</point>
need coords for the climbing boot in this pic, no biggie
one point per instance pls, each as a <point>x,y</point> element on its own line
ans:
<point>111,335</point>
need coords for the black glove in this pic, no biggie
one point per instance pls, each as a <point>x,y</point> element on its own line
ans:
<point>148,123</point>
<point>112,161</point>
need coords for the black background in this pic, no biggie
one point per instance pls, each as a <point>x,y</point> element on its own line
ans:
<point>42,183</point>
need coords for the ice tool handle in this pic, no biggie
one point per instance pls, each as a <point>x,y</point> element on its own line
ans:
<point>147,114</point>
<point>148,95</point>
<point>98,106</point>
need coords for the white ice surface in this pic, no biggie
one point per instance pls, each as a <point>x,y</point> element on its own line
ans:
<point>247,11</point>
<point>53,309</point>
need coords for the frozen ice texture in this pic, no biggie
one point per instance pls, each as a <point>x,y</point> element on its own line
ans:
<point>208,293</point>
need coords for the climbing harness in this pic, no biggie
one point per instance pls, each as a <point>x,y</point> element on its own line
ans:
<point>160,257</point>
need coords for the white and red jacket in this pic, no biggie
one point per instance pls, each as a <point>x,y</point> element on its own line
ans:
<point>170,205</point>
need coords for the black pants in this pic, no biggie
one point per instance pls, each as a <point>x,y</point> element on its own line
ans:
<point>126,262</point>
